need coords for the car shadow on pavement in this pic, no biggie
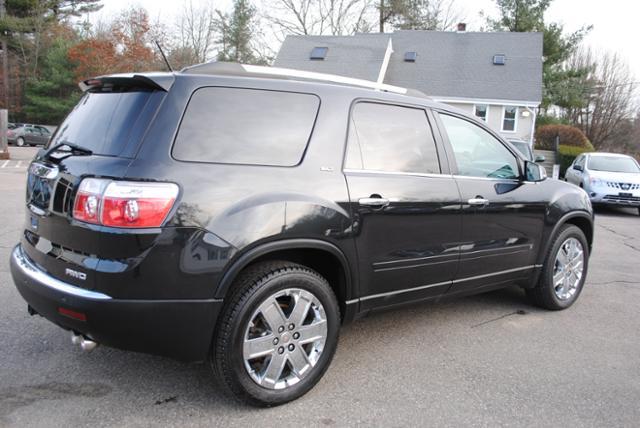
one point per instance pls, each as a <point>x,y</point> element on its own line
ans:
<point>161,383</point>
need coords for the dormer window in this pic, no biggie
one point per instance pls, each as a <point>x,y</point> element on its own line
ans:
<point>499,59</point>
<point>319,53</point>
<point>410,56</point>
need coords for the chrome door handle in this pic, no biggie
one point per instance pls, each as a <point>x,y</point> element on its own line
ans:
<point>374,202</point>
<point>478,201</point>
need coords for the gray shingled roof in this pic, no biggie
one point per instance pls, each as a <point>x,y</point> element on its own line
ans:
<point>449,64</point>
<point>352,56</point>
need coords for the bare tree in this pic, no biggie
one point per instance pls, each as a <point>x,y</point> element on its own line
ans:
<point>319,17</point>
<point>609,90</point>
<point>196,31</point>
<point>440,15</point>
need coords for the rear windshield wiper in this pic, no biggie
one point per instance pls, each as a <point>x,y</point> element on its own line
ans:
<point>73,149</point>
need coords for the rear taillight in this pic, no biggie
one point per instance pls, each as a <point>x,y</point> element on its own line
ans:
<point>124,203</point>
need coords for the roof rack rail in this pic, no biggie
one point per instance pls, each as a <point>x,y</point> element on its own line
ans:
<point>244,69</point>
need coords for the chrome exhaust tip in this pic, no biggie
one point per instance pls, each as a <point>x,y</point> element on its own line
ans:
<point>87,345</point>
<point>76,339</point>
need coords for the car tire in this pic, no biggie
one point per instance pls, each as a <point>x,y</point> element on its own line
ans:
<point>265,295</point>
<point>20,142</point>
<point>564,270</point>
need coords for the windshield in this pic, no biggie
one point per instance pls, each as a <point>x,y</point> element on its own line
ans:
<point>523,148</point>
<point>613,164</point>
<point>104,122</point>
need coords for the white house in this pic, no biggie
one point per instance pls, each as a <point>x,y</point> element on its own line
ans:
<point>495,75</point>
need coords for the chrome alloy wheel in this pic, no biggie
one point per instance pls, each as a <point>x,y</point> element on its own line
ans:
<point>568,269</point>
<point>285,338</point>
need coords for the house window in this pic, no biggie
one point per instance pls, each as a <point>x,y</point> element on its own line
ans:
<point>509,118</point>
<point>481,111</point>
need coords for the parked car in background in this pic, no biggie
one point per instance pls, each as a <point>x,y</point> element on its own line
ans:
<point>525,148</point>
<point>32,135</point>
<point>13,125</point>
<point>209,221</point>
<point>608,178</point>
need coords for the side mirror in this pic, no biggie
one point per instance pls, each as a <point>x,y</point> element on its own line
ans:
<point>577,167</point>
<point>534,172</point>
<point>540,159</point>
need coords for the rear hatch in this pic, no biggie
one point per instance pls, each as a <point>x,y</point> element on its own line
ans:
<point>99,138</point>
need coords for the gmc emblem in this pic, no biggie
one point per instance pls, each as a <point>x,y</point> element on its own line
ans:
<point>75,274</point>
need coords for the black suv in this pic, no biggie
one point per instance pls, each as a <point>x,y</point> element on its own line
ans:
<point>244,213</point>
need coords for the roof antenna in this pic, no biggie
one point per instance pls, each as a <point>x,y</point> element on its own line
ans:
<point>166,61</point>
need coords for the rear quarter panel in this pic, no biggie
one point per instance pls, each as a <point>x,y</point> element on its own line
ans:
<point>225,210</point>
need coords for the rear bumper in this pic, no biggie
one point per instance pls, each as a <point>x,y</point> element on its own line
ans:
<point>180,329</point>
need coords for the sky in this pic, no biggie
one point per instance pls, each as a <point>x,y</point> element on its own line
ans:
<point>615,22</point>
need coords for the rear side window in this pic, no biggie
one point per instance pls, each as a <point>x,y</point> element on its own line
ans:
<point>391,138</point>
<point>246,126</point>
<point>104,122</point>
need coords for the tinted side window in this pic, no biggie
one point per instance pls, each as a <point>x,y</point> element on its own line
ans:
<point>391,138</point>
<point>477,152</point>
<point>246,126</point>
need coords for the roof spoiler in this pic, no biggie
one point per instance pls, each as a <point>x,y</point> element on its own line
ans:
<point>157,81</point>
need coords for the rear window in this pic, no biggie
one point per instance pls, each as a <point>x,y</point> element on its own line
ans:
<point>105,123</point>
<point>246,126</point>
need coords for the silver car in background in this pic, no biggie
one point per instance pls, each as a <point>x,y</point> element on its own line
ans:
<point>32,135</point>
<point>608,178</point>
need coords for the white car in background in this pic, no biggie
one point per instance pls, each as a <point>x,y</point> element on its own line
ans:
<point>608,178</point>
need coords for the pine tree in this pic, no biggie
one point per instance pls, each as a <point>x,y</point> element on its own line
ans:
<point>559,81</point>
<point>236,33</point>
<point>52,95</point>
<point>25,28</point>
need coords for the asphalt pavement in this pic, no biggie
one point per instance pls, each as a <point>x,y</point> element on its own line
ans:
<point>486,360</point>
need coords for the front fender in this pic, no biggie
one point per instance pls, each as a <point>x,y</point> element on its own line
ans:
<point>569,204</point>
